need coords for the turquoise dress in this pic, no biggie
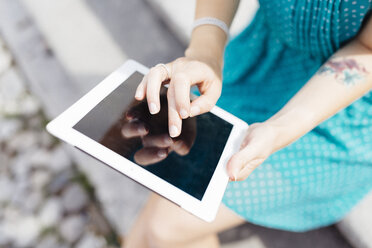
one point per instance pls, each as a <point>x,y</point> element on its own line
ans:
<point>315,181</point>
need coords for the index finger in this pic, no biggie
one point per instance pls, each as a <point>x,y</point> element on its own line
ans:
<point>155,78</point>
<point>181,84</point>
<point>174,119</point>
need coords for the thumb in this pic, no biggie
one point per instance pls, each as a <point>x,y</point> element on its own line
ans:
<point>238,161</point>
<point>206,101</point>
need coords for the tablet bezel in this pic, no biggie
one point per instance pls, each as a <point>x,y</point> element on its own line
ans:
<point>206,209</point>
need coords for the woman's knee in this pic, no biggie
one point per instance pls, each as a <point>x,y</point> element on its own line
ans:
<point>164,225</point>
<point>163,231</point>
<point>167,225</point>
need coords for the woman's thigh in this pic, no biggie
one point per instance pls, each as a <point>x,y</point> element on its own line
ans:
<point>163,222</point>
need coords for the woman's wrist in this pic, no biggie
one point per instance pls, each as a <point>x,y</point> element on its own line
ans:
<point>278,134</point>
<point>274,132</point>
<point>290,124</point>
<point>212,62</point>
<point>207,45</point>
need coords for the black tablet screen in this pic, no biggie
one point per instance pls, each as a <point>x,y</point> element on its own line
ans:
<point>114,123</point>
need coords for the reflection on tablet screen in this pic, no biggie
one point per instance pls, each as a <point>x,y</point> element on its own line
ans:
<point>115,122</point>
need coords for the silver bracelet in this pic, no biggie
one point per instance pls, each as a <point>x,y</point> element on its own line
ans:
<point>211,21</point>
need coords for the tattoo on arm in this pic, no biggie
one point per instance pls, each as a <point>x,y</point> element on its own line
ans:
<point>346,71</point>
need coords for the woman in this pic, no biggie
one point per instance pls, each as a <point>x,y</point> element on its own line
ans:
<point>302,73</point>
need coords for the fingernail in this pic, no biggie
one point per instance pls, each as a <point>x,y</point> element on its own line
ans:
<point>173,131</point>
<point>139,94</point>
<point>153,108</point>
<point>233,175</point>
<point>168,141</point>
<point>195,110</point>
<point>184,113</point>
<point>162,154</point>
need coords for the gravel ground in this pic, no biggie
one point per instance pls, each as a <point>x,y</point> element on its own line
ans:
<point>44,200</point>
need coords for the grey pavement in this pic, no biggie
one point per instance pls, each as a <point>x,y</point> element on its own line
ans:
<point>43,200</point>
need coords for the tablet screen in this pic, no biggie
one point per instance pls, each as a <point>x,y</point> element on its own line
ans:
<point>116,123</point>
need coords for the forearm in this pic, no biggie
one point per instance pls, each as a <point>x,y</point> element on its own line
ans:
<point>209,41</point>
<point>327,92</point>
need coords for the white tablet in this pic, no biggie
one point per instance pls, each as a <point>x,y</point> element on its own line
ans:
<point>195,181</point>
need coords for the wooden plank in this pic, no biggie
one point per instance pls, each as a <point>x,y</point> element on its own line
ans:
<point>45,75</point>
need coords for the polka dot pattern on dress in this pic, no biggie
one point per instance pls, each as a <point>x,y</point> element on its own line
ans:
<point>316,180</point>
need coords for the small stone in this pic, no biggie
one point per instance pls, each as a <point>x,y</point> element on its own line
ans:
<point>12,89</point>
<point>40,179</point>
<point>22,230</point>
<point>4,239</point>
<point>48,242</point>
<point>20,192</point>
<point>11,85</point>
<point>59,181</point>
<point>46,139</point>
<point>41,159</point>
<point>32,201</point>
<point>23,141</point>
<point>11,108</point>
<point>60,160</point>
<point>72,227</point>
<point>74,198</point>
<point>35,122</point>
<point>29,105</point>
<point>6,189</point>
<point>8,128</point>
<point>28,231</point>
<point>51,213</point>
<point>20,165</point>
<point>90,240</point>
<point>63,246</point>
<point>4,162</point>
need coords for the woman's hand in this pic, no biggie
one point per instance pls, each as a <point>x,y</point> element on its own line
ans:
<point>258,145</point>
<point>181,75</point>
